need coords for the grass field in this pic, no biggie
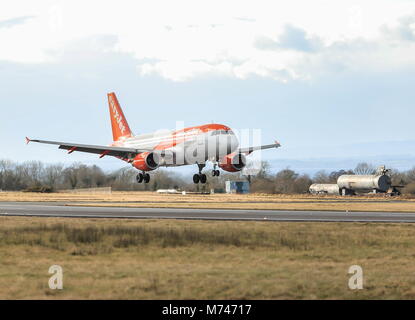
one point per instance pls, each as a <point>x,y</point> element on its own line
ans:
<point>153,259</point>
<point>223,201</point>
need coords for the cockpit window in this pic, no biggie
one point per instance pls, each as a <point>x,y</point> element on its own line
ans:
<point>219,132</point>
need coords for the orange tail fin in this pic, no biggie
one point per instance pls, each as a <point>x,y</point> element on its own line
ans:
<point>119,124</point>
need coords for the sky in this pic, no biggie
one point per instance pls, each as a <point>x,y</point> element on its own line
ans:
<point>333,81</point>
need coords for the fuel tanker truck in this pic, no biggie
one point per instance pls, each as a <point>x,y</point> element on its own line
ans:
<point>380,182</point>
<point>324,188</point>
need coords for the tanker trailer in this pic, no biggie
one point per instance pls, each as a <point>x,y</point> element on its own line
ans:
<point>324,188</point>
<point>352,184</point>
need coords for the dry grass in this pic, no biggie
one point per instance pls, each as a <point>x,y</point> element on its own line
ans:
<point>154,259</point>
<point>250,201</point>
<point>153,197</point>
<point>321,206</point>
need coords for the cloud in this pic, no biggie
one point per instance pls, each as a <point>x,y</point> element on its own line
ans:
<point>292,37</point>
<point>14,21</point>
<point>393,49</point>
<point>95,44</point>
<point>404,31</point>
<point>241,40</point>
<point>245,19</point>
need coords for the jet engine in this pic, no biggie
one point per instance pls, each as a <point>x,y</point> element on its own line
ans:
<point>233,162</point>
<point>146,161</point>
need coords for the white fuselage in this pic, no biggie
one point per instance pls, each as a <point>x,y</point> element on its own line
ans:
<point>187,146</point>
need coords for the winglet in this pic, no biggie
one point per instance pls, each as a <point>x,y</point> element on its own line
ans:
<point>27,140</point>
<point>277,144</point>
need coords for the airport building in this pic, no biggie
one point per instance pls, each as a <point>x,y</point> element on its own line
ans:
<point>241,187</point>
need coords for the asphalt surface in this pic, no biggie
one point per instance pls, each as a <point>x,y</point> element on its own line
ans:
<point>61,210</point>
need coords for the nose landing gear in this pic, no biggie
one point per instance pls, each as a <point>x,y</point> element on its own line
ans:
<point>143,177</point>
<point>215,172</point>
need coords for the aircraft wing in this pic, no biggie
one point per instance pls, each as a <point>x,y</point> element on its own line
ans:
<point>264,147</point>
<point>101,150</point>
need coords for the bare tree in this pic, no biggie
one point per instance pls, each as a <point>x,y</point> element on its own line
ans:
<point>410,175</point>
<point>264,170</point>
<point>336,174</point>
<point>8,175</point>
<point>124,179</point>
<point>53,174</point>
<point>36,176</point>
<point>33,172</point>
<point>264,185</point>
<point>99,177</point>
<point>321,177</point>
<point>71,175</point>
<point>284,181</point>
<point>302,184</point>
<point>364,168</point>
<point>399,178</point>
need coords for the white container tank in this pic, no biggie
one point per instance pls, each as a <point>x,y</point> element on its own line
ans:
<point>365,183</point>
<point>324,188</point>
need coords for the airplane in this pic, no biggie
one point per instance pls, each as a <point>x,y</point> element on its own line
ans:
<point>188,146</point>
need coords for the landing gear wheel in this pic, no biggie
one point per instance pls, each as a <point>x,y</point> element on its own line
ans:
<point>196,178</point>
<point>215,173</point>
<point>146,178</point>
<point>200,177</point>
<point>140,177</point>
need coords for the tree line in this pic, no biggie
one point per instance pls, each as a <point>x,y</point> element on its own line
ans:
<point>38,176</point>
<point>41,177</point>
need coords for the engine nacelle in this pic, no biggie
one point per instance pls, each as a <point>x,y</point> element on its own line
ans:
<point>146,161</point>
<point>233,162</point>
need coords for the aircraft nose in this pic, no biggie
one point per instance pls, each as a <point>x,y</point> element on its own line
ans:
<point>234,143</point>
<point>225,144</point>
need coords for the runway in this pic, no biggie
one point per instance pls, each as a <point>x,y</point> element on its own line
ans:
<point>42,209</point>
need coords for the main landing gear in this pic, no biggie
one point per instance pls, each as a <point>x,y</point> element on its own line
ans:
<point>200,177</point>
<point>215,172</point>
<point>143,177</point>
